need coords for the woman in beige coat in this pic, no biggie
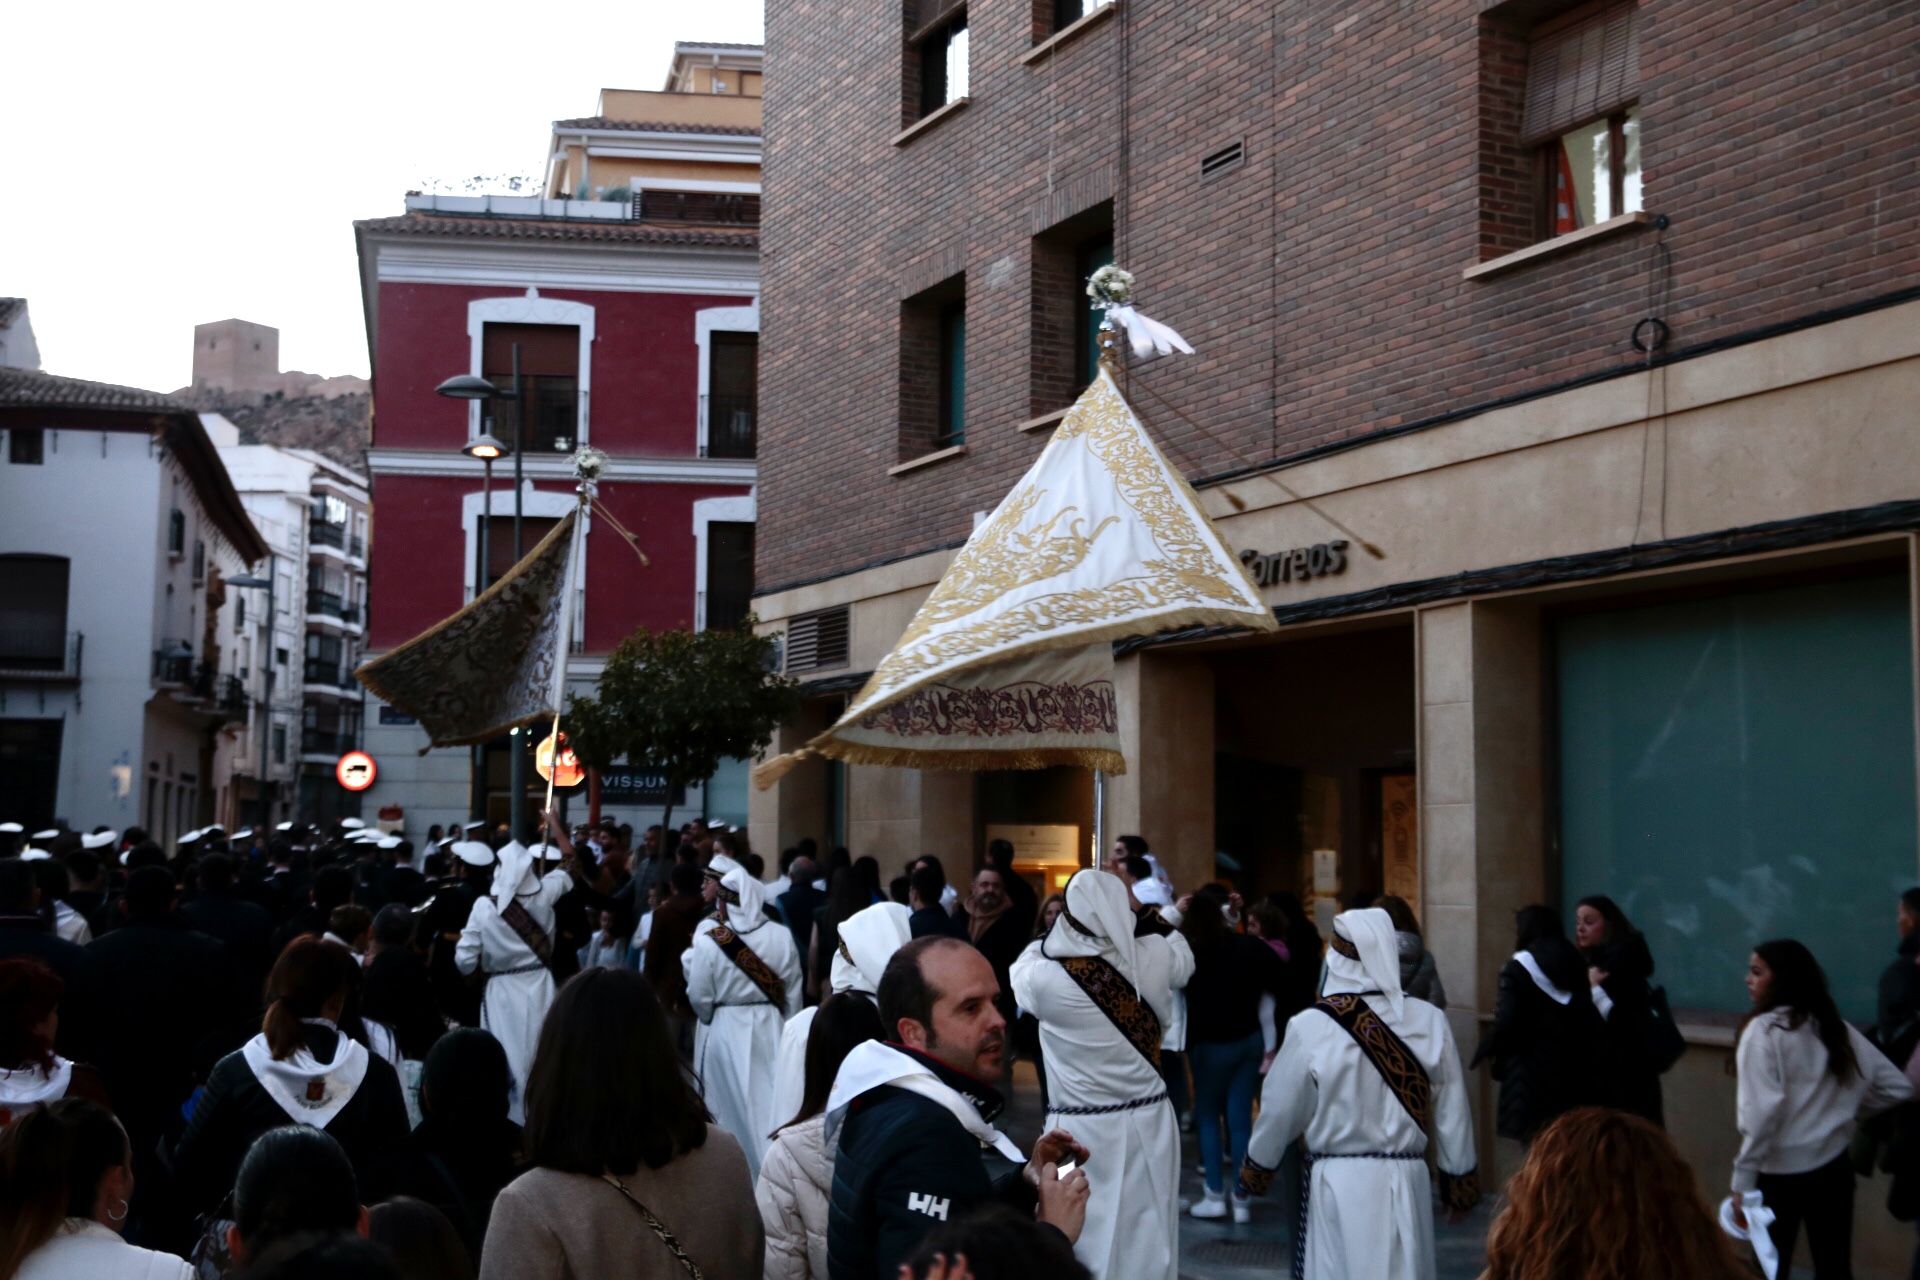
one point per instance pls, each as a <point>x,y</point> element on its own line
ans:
<point>796,1178</point>
<point>630,1180</point>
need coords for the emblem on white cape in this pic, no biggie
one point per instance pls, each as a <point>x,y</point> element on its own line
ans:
<point>1007,663</point>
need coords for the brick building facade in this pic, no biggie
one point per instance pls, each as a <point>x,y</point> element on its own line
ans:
<point>1641,628</point>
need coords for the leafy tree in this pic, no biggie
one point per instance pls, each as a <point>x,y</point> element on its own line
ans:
<point>680,702</point>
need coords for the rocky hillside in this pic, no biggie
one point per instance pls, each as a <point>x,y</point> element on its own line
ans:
<point>337,428</point>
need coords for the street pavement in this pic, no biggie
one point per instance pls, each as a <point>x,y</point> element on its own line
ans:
<point>1263,1247</point>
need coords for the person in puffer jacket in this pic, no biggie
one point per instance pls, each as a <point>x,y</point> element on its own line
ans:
<point>797,1175</point>
<point>1419,977</point>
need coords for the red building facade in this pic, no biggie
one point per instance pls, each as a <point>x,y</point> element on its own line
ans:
<point>634,337</point>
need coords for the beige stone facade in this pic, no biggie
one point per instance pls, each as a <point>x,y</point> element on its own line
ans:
<point>1782,459</point>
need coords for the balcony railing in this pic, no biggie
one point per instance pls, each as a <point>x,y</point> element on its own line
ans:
<point>172,668</point>
<point>732,426</point>
<point>720,208</point>
<point>32,653</point>
<point>227,694</point>
<point>319,601</point>
<point>329,742</point>
<point>356,546</point>
<point>323,673</point>
<point>328,535</point>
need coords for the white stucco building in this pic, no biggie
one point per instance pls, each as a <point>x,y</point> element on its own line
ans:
<point>118,524</point>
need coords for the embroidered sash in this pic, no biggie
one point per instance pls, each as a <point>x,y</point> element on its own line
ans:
<point>1112,995</point>
<point>521,921</point>
<point>750,963</point>
<point>1387,1052</point>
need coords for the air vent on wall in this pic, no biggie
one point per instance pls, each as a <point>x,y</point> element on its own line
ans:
<point>1225,160</point>
<point>817,641</point>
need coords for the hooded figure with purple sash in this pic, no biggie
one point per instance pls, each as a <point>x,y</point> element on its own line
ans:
<point>1363,1075</point>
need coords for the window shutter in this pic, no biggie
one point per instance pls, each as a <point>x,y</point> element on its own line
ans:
<point>546,350</point>
<point>1581,71</point>
<point>816,641</point>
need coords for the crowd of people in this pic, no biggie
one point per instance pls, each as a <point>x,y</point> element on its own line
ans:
<point>316,1053</point>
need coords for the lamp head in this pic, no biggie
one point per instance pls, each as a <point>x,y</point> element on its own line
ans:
<point>467,386</point>
<point>485,447</point>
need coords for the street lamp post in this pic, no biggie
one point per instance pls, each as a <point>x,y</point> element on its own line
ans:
<point>486,448</point>
<point>265,820</point>
<point>469,386</point>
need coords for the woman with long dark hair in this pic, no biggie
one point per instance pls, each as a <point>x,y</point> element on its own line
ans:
<point>1805,1078</point>
<point>1620,980</point>
<point>1231,971</point>
<point>630,1175</point>
<point>66,1177</point>
<point>796,1177</point>
<point>31,1073</point>
<point>301,1069</point>
<point>1604,1195</point>
<point>846,894</point>
<point>1547,1043</point>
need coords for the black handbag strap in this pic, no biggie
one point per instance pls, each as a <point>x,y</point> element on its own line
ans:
<point>667,1237</point>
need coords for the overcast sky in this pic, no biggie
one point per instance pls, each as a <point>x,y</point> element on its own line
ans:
<point>162,165</point>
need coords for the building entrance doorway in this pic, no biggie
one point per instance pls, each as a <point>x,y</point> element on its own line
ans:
<point>1314,772</point>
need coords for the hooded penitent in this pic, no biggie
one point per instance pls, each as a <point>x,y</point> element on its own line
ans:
<point>1364,958</point>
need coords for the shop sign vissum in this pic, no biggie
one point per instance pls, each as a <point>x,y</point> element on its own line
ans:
<point>1271,568</point>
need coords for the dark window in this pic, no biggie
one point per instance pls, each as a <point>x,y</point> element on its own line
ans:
<point>549,404</point>
<point>279,657</point>
<point>199,560</point>
<point>1068,12</point>
<point>1094,254</point>
<point>33,612</point>
<point>729,574</point>
<point>953,376</point>
<point>27,445</point>
<point>30,771</point>
<point>279,744</point>
<point>176,532</point>
<point>943,62</point>
<point>933,371</point>
<point>500,557</point>
<point>722,208</point>
<point>733,397</point>
<point>1583,77</point>
<point>239,612</point>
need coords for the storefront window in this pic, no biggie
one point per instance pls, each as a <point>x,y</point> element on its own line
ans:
<point>1740,768</point>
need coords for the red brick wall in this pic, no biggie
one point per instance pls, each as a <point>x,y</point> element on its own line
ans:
<point>1321,280</point>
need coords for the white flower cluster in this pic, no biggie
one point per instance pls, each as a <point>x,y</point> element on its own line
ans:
<point>588,463</point>
<point>1110,286</point>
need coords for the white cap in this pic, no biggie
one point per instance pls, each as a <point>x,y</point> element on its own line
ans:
<point>243,833</point>
<point>10,828</point>
<point>190,837</point>
<point>34,855</point>
<point>471,827</point>
<point>390,842</point>
<point>474,853</point>
<point>545,852</point>
<point>352,824</point>
<point>51,833</point>
<point>99,839</point>
<point>284,826</point>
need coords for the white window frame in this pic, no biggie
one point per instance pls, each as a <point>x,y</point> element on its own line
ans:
<point>708,321</point>
<point>530,308</point>
<point>543,503</point>
<point>739,509</point>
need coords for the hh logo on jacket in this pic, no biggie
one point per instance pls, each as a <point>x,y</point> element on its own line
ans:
<point>933,1208</point>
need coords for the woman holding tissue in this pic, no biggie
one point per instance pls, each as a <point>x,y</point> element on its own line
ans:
<point>1805,1077</point>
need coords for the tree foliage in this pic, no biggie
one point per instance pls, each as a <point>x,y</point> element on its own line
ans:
<point>680,702</point>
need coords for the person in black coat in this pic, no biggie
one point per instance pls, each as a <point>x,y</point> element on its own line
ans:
<point>1620,979</point>
<point>300,1069</point>
<point>245,927</point>
<point>395,988</point>
<point>27,930</point>
<point>465,1149</point>
<point>995,924</point>
<point>799,903</point>
<point>1548,1045</point>
<point>926,884</point>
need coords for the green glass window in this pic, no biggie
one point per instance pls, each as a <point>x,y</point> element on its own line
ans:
<point>1092,256</point>
<point>1740,768</point>
<point>953,376</point>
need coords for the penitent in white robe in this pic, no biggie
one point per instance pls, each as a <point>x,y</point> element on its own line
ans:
<point>519,987</point>
<point>1132,1229</point>
<point>738,1035</point>
<point>1368,1218</point>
